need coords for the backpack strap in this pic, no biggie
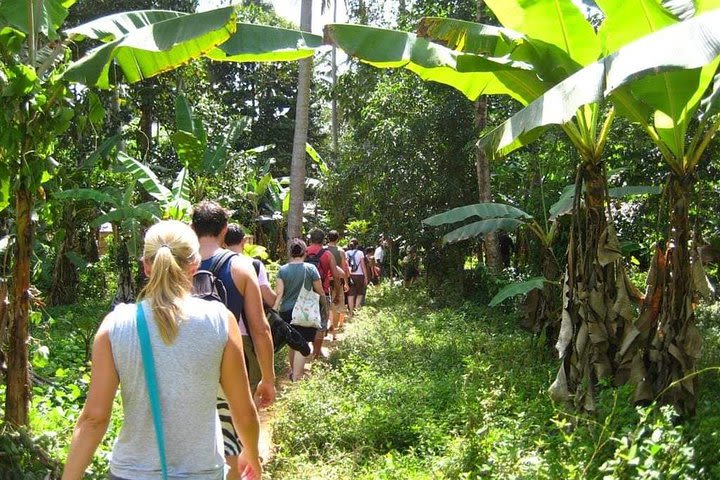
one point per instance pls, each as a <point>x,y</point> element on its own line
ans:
<point>220,261</point>
<point>151,383</point>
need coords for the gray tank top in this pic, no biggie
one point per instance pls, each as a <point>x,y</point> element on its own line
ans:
<point>188,377</point>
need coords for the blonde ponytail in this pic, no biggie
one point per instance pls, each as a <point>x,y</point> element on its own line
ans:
<point>170,247</point>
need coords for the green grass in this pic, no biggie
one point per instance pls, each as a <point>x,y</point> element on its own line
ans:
<point>415,392</point>
<point>418,392</point>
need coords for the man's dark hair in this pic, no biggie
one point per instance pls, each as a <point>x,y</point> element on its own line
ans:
<point>208,219</point>
<point>317,236</point>
<point>234,235</point>
<point>333,236</point>
<point>353,243</point>
<point>297,247</point>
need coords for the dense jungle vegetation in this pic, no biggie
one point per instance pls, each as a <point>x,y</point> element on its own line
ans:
<point>561,186</point>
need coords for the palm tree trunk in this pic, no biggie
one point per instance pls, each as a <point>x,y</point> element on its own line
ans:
<point>334,113</point>
<point>17,400</point>
<point>302,115</point>
<point>493,259</point>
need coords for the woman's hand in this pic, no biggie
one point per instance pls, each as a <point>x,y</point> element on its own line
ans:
<point>249,466</point>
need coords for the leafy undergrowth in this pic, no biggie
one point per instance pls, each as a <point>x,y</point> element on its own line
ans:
<point>417,392</point>
<point>60,349</point>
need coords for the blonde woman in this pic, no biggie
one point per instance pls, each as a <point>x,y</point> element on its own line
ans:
<point>196,345</point>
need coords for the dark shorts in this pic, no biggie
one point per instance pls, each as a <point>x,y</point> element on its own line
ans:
<point>308,333</point>
<point>358,286</point>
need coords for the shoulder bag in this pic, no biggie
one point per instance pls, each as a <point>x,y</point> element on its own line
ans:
<point>152,387</point>
<point>306,312</point>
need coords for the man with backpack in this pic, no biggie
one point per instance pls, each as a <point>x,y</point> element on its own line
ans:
<point>244,300</point>
<point>324,261</point>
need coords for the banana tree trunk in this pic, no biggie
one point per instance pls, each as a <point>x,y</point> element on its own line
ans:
<point>65,280</point>
<point>597,296</point>
<point>665,345</point>
<point>17,399</point>
<point>302,117</point>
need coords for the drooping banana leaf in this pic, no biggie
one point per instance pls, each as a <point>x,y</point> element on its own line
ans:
<point>687,45</point>
<point>475,229</point>
<point>79,194</point>
<point>473,75</point>
<point>481,210</point>
<point>144,44</point>
<point>262,43</point>
<point>520,288</point>
<point>145,176</point>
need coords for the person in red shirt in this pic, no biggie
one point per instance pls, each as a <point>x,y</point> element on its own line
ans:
<point>325,262</point>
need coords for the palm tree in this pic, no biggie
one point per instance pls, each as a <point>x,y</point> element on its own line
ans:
<point>302,118</point>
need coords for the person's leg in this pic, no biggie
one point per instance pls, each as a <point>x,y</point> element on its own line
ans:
<point>298,369</point>
<point>317,344</point>
<point>351,306</point>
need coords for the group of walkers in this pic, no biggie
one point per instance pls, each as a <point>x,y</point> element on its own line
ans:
<point>179,358</point>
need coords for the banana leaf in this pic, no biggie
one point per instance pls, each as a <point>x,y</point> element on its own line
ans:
<point>481,210</point>
<point>145,176</point>
<point>520,288</point>
<point>79,194</point>
<point>475,229</point>
<point>686,45</point>
<point>473,75</point>
<point>47,15</point>
<point>262,43</point>
<point>146,43</point>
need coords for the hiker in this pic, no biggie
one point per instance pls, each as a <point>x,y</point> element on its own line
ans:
<point>411,267</point>
<point>235,242</point>
<point>291,279</point>
<point>338,283</point>
<point>358,276</point>
<point>209,220</point>
<point>371,266</point>
<point>194,344</point>
<point>379,255</point>
<point>324,261</point>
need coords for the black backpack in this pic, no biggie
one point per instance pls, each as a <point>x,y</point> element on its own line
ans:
<point>207,285</point>
<point>315,260</point>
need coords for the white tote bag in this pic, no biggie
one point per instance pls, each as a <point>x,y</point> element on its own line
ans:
<point>306,312</point>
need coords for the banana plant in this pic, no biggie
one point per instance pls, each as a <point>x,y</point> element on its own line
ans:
<point>666,83</point>
<point>541,305</point>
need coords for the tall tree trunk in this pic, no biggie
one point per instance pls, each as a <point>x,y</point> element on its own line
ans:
<point>334,112</point>
<point>17,399</point>
<point>302,117</point>
<point>493,259</point>
<point>4,324</point>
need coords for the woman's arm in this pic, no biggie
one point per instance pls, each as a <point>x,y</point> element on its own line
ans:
<point>246,282</point>
<point>95,415</point>
<point>279,290</point>
<point>268,295</point>
<point>317,286</point>
<point>234,382</point>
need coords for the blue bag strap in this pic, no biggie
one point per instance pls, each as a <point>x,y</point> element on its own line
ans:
<point>151,382</point>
